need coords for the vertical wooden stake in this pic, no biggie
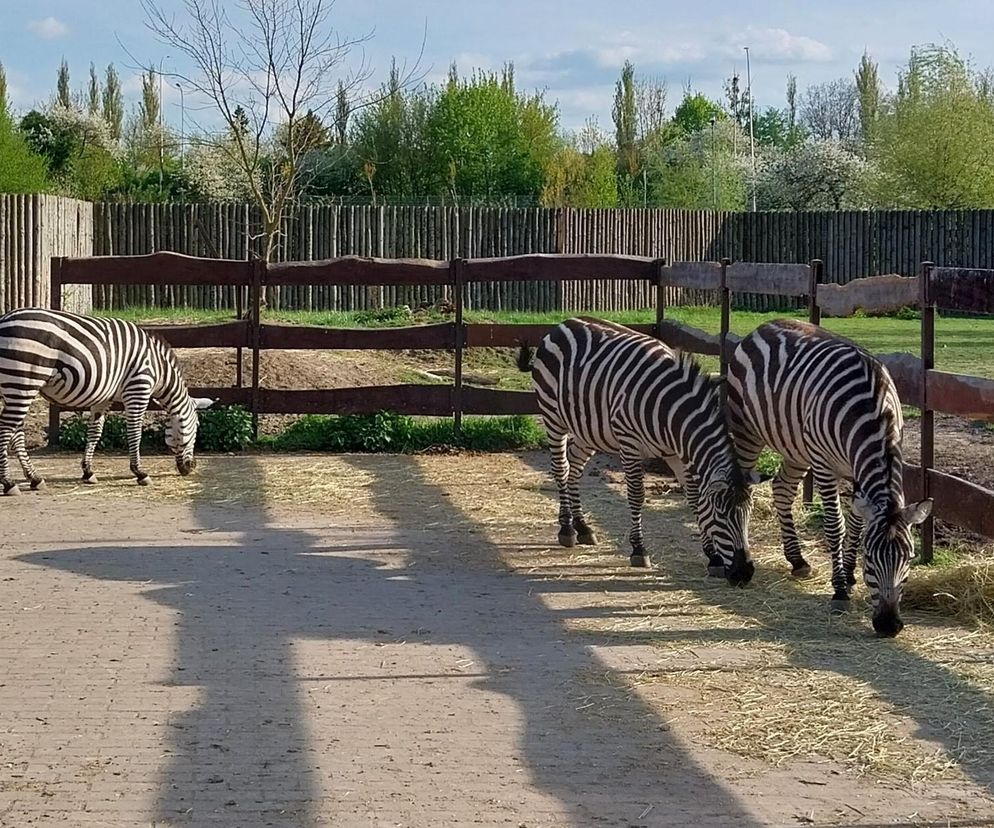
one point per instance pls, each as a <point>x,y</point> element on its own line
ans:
<point>928,418</point>
<point>457,272</point>
<point>239,315</point>
<point>258,269</point>
<point>660,296</point>
<point>726,309</point>
<point>814,317</point>
<point>55,300</point>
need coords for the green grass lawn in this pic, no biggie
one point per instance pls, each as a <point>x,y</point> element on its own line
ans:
<point>963,346</point>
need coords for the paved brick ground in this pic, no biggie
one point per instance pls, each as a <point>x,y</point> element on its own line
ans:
<point>171,664</point>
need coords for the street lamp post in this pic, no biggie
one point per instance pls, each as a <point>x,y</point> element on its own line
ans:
<point>182,127</point>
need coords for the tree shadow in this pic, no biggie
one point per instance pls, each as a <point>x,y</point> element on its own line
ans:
<point>248,601</point>
<point>946,708</point>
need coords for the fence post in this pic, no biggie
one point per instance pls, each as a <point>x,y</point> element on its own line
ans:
<point>928,419</point>
<point>457,273</point>
<point>257,270</point>
<point>814,317</point>
<point>660,296</point>
<point>726,306</point>
<point>55,300</point>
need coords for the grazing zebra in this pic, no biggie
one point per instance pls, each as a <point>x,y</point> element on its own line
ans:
<point>827,405</point>
<point>603,387</point>
<point>86,362</point>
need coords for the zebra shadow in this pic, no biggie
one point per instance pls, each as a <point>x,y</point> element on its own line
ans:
<point>937,697</point>
<point>285,729</point>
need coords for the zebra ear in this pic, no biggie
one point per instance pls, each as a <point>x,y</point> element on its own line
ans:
<point>915,513</point>
<point>202,402</point>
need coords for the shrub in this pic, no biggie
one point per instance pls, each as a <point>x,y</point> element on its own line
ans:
<point>227,428</point>
<point>72,433</point>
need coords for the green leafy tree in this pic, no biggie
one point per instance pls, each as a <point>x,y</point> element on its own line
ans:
<point>93,93</point>
<point>698,170</point>
<point>772,128</point>
<point>62,95</point>
<point>4,103</point>
<point>625,115</point>
<point>582,173</point>
<point>113,103</point>
<point>21,169</point>
<point>869,94</point>
<point>932,141</point>
<point>695,113</point>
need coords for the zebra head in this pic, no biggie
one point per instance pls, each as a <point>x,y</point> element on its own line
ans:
<point>888,549</point>
<point>725,505</point>
<point>181,432</point>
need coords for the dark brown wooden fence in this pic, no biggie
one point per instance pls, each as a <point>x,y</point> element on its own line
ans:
<point>957,501</point>
<point>851,244</point>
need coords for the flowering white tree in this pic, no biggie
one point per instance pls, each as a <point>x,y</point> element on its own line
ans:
<point>814,175</point>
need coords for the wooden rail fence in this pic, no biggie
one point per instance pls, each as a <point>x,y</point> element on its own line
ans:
<point>957,501</point>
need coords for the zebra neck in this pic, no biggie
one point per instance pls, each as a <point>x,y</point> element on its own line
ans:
<point>879,477</point>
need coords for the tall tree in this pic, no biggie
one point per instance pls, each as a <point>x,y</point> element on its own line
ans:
<point>93,92</point>
<point>738,101</point>
<point>4,103</point>
<point>831,111</point>
<point>695,113</point>
<point>149,106</point>
<point>62,95</point>
<point>625,115</point>
<point>791,101</point>
<point>278,59</point>
<point>869,92</point>
<point>343,109</point>
<point>113,103</point>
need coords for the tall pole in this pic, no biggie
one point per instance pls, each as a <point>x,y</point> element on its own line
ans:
<point>752,140</point>
<point>182,126</point>
<point>161,61</point>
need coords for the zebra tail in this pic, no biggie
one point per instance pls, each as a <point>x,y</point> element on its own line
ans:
<point>525,357</point>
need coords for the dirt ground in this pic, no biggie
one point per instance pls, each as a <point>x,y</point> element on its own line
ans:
<point>370,641</point>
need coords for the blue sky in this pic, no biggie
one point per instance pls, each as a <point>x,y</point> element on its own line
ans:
<point>573,50</point>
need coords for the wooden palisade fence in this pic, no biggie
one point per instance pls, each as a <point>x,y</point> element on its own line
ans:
<point>957,501</point>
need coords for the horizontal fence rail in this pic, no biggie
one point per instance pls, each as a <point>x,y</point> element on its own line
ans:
<point>918,383</point>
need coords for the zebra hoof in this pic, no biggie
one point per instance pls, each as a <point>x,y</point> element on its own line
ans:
<point>144,481</point>
<point>716,570</point>
<point>640,560</point>
<point>11,489</point>
<point>89,478</point>
<point>587,538</point>
<point>38,485</point>
<point>567,538</point>
<point>838,605</point>
<point>801,571</point>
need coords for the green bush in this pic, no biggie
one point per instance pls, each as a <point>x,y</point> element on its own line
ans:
<point>395,433</point>
<point>228,428</point>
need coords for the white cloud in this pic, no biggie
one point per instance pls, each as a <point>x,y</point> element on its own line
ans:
<point>774,45</point>
<point>50,28</point>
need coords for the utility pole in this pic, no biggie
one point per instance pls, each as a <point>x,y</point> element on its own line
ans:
<point>752,139</point>
<point>182,127</point>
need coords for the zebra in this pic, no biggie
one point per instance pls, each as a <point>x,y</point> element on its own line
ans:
<point>827,405</point>
<point>603,387</point>
<point>87,362</point>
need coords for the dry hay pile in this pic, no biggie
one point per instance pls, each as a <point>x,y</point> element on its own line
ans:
<point>764,672</point>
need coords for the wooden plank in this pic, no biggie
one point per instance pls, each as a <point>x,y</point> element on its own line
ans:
<point>224,335</point>
<point>154,268</point>
<point>776,279</point>
<point>553,267</point>
<point>497,401</point>
<point>873,294</point>
<point>694,275</point>
<point>906,371</point>
<point>298,337</point>
<point>963,289</point>
<point>428,400</point>
<point>513,336</point>
<point>962,395</point>
<point>962,503</point>
<point>359,270</point>
<point>694,340</point>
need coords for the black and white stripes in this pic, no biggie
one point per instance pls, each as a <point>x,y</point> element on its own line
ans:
<point>603,387</point>
<point>87,362</point>
<point>827,405</point>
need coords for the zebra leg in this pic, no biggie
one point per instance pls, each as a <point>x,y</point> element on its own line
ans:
<point>19,446</point>
<point>850,547</point>
<point>11,422</point>
<point>136,399</point>
<point>94,429</point>
<point>560,471</point>
<point>828,488</point>
<point>634,472</point>
<point>576,459</point>
<point>716,566</point>
<point>784,491</point>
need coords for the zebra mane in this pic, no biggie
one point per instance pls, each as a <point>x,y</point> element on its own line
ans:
<point>697,375</point>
